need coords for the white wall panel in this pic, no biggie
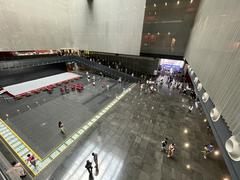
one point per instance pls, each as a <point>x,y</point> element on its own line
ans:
<point>34,24</point>
<point>214,54</point>
<point>108,26</point>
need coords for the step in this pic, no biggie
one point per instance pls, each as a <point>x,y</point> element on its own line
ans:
<point>24,152</point>
<point>13,141</point>
<point>16,144</point>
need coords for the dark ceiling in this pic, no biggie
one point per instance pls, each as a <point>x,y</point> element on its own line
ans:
<point>167,26</point>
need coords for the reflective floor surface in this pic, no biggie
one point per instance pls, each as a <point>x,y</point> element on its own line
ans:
<point>128,138</point>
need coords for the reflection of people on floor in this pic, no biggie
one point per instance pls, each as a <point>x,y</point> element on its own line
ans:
<point>95,159</point>
<point>88,166</point>
<point>18,169</point>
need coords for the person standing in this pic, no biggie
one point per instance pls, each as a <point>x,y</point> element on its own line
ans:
<point>164,145</point>
<point>61,127</point>
<point>95,159</point>
<point>88,166</point>
<point>171,149</point>
<point>18,168</point>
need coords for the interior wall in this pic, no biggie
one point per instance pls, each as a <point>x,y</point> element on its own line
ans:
<point>214,54</point>
<point>38,24</point>
<point>107,26</point>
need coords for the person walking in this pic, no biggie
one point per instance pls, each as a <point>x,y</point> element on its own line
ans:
<point>61,127</point>
<point>95,159</point>
<point>164,144</point>
<point>171,149</point>
<point>88,166</point>
<point>32,160</point>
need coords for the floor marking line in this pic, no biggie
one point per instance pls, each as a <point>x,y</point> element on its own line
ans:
<point>20,139</point>
<point>43,163</point>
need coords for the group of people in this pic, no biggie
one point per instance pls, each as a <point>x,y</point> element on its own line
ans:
<point>169,149</point>
<point>89,167</point>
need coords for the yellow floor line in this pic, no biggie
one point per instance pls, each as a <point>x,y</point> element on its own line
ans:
<point>55,149</point>
<point>21,140</point>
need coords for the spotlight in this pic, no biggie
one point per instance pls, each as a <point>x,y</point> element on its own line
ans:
<point>185,131</point>
<point>216,153</point>
<point>186,145</point>
<point>188,166</point>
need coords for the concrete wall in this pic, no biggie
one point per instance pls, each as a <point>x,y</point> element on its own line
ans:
<point>100,25</point>
<point>108,25</point>
<point>34,24</point>
<point>214,54</point>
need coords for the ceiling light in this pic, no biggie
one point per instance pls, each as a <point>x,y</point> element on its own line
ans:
<point>155,13</point>
<point>185,131</point>
<point>191,1</point>
<point>168,33</point>
<point>216,153</point>
<point>154,5</point>
<point>178,2</point>
<point>186,145</point>
<point>148,33</point>
<point>225,179</point>
<point>205,120</point>
<point>188,166</point>
<point>158,33</point>
<point>165,3</point>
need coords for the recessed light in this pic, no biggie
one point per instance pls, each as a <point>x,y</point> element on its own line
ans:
<point>158,33</point>
<point>216,153</point>
<point>185,131</point>
<point>191,1</point>
<point>188,166</point>
<point>225,179</point>
<point>205,120</point>
<point>154,5</point>
<point>178,2</point>
<point>155,13</point>
<point>168,33</point>
<point>186,145</point>
<point>165,3</point>
<point>148,33</point>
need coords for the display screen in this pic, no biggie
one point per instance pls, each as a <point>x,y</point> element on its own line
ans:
<point>171,65</point>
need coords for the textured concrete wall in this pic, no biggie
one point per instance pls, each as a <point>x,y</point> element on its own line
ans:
<point>214,54</point>
<point>34,24</point>
<point>108,25</point>
<point>100,25</point>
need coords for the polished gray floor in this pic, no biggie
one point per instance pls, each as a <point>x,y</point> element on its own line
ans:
<point>127,140</point>
<point>37,118</point>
